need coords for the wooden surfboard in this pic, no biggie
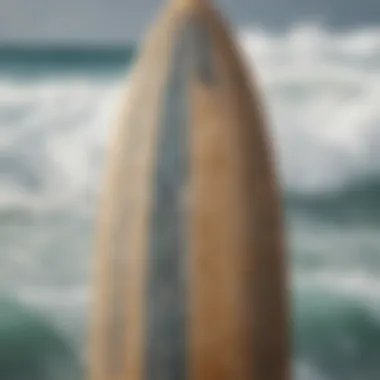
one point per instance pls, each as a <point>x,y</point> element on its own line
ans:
<point>190,281</point>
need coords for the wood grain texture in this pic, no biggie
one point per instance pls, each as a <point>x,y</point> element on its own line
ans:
<point>240,322</point>
<point>233,306</point>
<point>123,223</point>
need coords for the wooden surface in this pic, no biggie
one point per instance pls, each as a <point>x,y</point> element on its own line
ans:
<point>190,279</point>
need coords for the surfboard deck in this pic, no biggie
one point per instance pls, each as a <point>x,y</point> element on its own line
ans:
<point>191,280</point>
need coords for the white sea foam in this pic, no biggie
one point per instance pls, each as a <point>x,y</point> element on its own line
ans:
<point>56,298</point>
<point>357,285</point>
<point>323,95</point>
<point>323,92</point>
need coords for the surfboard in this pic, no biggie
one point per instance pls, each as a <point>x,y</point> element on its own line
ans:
<point>190,278</point>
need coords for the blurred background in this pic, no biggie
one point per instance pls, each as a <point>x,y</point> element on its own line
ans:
<point>62,66</point>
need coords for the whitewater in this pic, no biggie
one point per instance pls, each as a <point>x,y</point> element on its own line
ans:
<point>322,91</point>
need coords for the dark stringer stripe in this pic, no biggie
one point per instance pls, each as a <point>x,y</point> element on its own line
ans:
<point>166,351</point>
<point>167,301</point>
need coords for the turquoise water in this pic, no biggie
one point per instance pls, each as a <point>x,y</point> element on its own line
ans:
<point>56,110</point>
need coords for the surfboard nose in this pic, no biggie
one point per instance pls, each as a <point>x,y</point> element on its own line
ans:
<point>191,2</point>
<point>191,278</point>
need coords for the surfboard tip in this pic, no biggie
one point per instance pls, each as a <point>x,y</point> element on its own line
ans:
<point>191,3</point>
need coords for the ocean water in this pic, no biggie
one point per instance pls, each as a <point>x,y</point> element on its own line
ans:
<point>56,111</point>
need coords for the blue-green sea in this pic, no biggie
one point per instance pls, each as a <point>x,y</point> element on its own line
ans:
<point>57,107</point>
